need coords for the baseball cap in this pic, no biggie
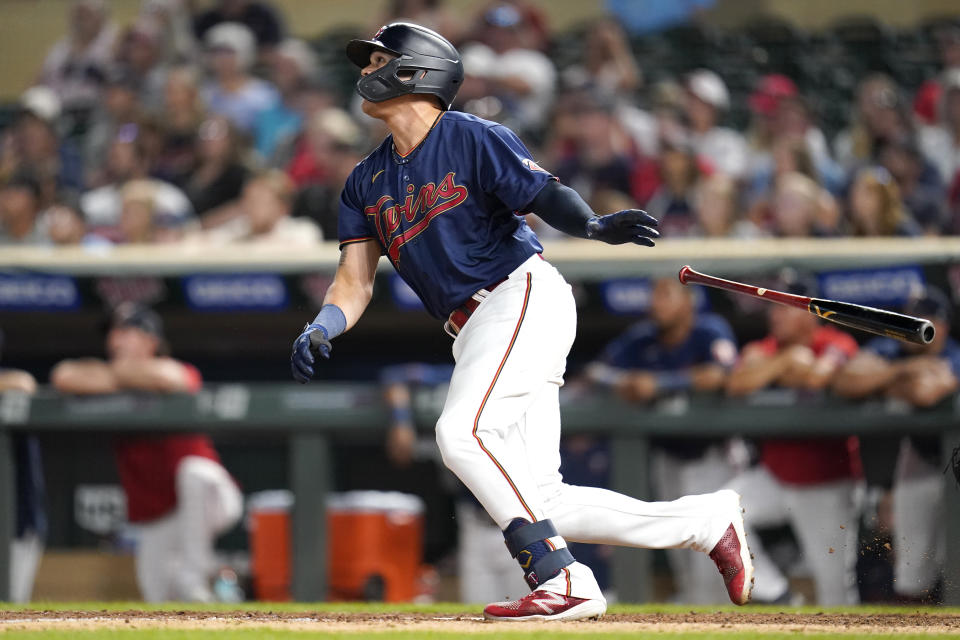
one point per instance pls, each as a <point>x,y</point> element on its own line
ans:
<point>138,316</point>
<point>709,87</point>
<point>41,102</point>
<point>929,303</point>
<point>771,89</point>
<point>235,37</point>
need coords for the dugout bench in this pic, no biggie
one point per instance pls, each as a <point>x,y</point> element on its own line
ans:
<point>312,417</point>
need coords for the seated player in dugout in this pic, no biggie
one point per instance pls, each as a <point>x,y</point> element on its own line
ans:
<point>807,482</point>
<point>443,198</point>
<point>30,526</point>
<point>179,496</point>
<point>677,350</point>
<point>922,376</point>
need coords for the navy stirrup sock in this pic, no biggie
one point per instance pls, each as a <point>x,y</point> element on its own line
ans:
<point>527,542</point>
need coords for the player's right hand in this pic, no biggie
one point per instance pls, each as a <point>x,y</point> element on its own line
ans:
<point>310,343</point>
<point>630,225</point>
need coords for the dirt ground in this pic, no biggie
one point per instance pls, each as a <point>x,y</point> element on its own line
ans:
<point>888,623</point>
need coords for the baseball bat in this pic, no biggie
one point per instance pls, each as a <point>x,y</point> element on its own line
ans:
<point>878,321</point>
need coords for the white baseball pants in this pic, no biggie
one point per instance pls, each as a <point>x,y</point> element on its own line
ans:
<point>823,518</point>
<point>919,542</point>
<point>499,432</point>
<point>174,557</point>
<point>694,574</point>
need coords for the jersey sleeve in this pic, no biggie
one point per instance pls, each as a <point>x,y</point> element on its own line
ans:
<point>721,345</point>
<point>352,224</point>
<point>507,170</point>
<point>621,353</point>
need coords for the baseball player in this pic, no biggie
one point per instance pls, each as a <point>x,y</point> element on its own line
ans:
<point>443,198</point>
<point>178,493</point>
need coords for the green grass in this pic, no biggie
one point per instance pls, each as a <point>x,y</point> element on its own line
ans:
<point>447,608</point>
<point>496,632</point>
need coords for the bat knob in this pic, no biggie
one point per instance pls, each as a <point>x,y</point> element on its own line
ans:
<point>684,272</point>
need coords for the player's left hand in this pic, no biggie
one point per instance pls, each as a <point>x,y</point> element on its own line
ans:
<point>629,225</point>
<point>310,343</point>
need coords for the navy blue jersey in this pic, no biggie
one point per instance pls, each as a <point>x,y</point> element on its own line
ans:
<point>893,349</point>
<point>446,214</point>
<point>710,340</point>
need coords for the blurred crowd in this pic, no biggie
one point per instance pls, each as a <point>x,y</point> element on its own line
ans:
<point>208,123</point>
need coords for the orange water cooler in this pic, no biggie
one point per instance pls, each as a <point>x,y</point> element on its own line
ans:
<point>374,545</point>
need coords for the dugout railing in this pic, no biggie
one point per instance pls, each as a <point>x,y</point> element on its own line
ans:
<point>311,418</point>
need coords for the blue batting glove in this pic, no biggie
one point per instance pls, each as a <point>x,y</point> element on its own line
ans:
<point>312,342</point>
<point>629,225</point>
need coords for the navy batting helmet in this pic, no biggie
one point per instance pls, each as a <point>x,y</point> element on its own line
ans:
<point>434,63</point>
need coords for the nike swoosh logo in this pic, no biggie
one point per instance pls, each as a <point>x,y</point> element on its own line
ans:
<point>376,175</point>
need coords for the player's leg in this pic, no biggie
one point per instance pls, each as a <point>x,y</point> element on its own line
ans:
<point>825,521</point>
<point>208,502</point>
<point>918,532</point>
<point>486,572</point>
<point>762,499</point>
<point>511,346</point>
<point>673,477</point>
<point>158,558</point>
<point>25,554</point>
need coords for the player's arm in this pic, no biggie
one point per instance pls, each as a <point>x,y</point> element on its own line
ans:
<point>757,370</point>
<point>16,380</point>
<point>344,303</point>
<point>562,208</point>
<point>87,376</point>
<point>863,375</point>
<point>159,375</point>
<point>923,381</point>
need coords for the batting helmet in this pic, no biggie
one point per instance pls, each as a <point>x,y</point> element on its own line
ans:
<point>433,61</point>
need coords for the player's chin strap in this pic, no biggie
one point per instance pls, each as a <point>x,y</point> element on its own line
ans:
<point>527,542</point>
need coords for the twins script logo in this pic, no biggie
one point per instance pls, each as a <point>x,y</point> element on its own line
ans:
<point>417,210</point>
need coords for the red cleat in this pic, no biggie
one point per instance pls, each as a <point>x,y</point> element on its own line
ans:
<point>543,605</point>
<point>734,561</point>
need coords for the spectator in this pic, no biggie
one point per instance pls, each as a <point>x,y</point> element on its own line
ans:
<point>880,116</point>
<point>121,105</point>
<point>922,376</point>
<point>65,227</point>
<point>261,18</point>
<point>672,201</point>
<point>676,351</point>
<point>715,210</point>
<point>30,530</point>
<point>940,141</point>
<point>505,78</point>
<point>178,494</point>
<point>432,14</point>
<point>233,92</point>
<point>707,99</point>
<point>599,157</point>
<point>183,111</point>
<point>327,131</point>
<point>138,214</point>
<point>264,216</point>
<point>809,483</point>
<point>293,66</point>
<point>141,51</point>
<point>126,160</point>
<point>796,207</point>
<point>791,155</point>
<point>217,180</point>
<point>876,208</point>
<point>655,15</point>
<point>33,145</point>
<point>20,212</point>
<point>927,101</point>
<point>608,63</point>
<point>919,182</point>
<point>781,116</point>
<point>320,201</point>
<point>175,23</point>
<point>75,68</point>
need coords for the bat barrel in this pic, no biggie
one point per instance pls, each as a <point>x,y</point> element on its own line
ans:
<point>878,321</point>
